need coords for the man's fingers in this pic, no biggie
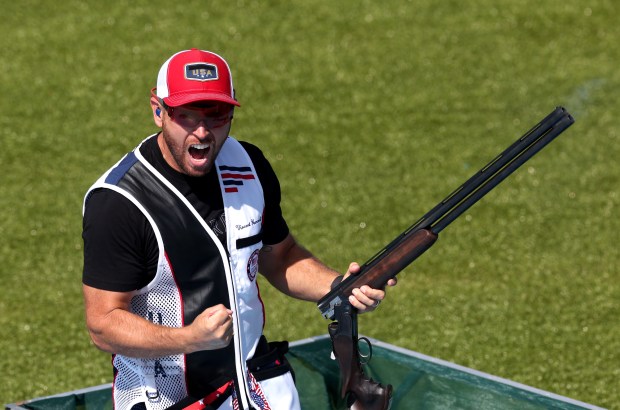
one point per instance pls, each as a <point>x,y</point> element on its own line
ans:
<point>217,308</point>
<point>221,318</point>
<point>361,300</point>
<point>366,298</point>
<point>354,268</point>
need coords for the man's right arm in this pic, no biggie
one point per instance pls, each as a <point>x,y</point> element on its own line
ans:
<point>120,255</point>
<point>114,329</point>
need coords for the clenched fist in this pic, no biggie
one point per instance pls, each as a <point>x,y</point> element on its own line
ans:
<point>212,329</point>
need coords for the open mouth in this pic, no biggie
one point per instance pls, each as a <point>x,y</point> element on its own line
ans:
<point>199,151</point>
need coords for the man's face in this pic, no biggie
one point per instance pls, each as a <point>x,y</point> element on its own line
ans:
<point>192,135</point>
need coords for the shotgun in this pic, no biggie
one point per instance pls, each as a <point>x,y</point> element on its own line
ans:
<point>356,387</point>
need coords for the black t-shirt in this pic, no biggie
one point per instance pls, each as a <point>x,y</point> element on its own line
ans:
<point>120,248</point>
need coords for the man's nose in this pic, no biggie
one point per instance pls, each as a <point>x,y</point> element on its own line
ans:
<point>202,130</point>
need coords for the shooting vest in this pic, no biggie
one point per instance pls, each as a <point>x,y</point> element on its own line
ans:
<point>195,272</point>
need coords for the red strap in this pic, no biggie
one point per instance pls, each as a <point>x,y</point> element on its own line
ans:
<point>201,404</point>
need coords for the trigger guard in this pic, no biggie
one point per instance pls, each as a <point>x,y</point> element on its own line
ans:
<point>364,358</point>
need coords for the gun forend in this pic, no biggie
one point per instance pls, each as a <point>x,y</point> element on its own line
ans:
<point>381,268</point>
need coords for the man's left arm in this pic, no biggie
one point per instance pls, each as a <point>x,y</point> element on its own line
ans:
<point>293,270</point>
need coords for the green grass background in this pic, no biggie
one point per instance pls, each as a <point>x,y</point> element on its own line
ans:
<point>371,112</point>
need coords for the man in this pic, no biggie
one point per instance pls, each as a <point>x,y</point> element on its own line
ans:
<point>174,236</point>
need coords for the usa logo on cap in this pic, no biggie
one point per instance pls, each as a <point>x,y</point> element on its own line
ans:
<point>201,72</point>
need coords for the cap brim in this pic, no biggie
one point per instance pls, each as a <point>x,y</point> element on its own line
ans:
<point>188,98</point>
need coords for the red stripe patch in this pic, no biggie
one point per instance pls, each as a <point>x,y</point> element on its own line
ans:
<point>231,189</point>
<point>237,176</point>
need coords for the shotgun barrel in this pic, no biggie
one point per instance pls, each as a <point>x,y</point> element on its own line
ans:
<point>420,236</point>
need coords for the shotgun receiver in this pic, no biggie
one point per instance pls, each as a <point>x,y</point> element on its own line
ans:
<point>408,246</point>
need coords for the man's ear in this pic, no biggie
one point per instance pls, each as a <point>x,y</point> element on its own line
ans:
<point>157,113</point>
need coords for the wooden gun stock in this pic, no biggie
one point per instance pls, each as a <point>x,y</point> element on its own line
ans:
<point>381,268</point>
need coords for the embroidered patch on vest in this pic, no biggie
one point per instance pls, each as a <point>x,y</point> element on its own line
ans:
<point>253,265</point>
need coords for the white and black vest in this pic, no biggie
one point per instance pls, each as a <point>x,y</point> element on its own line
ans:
<point>194,272</point>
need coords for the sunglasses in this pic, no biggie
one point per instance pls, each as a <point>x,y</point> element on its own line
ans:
<point>212,115</point>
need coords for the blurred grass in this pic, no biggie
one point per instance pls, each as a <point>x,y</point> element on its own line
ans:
<point>370,113</point>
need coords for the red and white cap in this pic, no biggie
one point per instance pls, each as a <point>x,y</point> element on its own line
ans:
<point>195,75</point>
